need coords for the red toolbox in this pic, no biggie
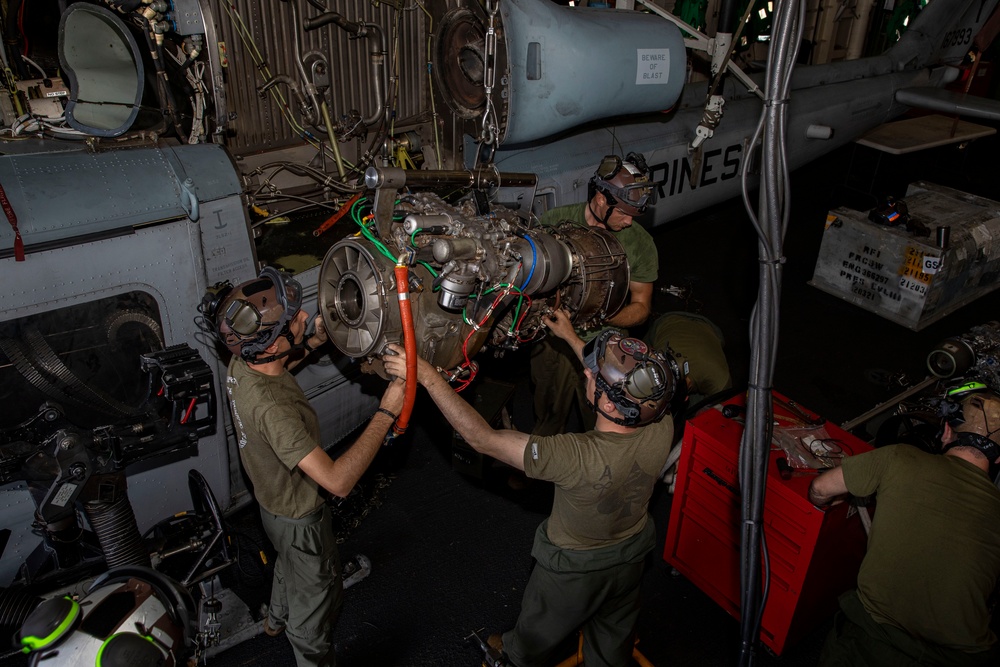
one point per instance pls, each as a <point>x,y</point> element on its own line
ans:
<point>814,554</point>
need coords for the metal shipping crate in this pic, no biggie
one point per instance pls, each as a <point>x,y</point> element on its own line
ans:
<point>907,278</point>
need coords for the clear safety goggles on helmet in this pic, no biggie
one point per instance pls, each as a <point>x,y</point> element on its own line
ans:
<point>637,195</point>
<point>243,317</point>
<point>954,408</point>
<point>289,289</point>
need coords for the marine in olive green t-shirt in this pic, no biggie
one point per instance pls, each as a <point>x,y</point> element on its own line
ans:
<point>934,550</point>
<point>276,428</point>
<point>603,481</point>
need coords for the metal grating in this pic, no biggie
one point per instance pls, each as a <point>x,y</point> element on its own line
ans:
<point>257,124</point>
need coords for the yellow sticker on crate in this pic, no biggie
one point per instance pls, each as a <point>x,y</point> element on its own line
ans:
<point>911,274</point>
<point>913,265</point>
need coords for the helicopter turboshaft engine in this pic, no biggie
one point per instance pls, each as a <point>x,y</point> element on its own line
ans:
<point>474,280</point>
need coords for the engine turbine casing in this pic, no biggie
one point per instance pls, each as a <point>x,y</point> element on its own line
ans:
<point>473,280</point>
<point>359,301</point>
<point>596,286</point>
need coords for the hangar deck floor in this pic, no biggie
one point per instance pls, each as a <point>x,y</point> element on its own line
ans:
<point>451,554</point>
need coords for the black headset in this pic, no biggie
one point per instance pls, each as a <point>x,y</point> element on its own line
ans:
<point>954,414</point>
<point>55,619</point>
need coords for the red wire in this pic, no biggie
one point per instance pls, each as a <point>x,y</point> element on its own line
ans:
<point>189,410</point>
<point>465,343</point>
<point>20,24</point>
<point>517,327</point>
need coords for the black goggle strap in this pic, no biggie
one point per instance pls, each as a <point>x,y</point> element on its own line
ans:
<point>613,193</point>
<point>289,290</point>
<point>638,161</point>
<point>629,412</point>
<point>249,353</point>
<point>594,350</point>
<point>989,448</point>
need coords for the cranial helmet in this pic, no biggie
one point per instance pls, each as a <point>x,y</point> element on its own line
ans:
<point>974,415</point>
<point>639,381</point>
<point>251,316</point>
<point>624,183</point>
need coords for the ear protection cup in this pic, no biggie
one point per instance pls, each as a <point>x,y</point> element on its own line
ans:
<point>49,623</point>
<point>127,649</point>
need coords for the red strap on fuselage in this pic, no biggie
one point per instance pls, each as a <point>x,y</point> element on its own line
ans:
<point>12,218</point>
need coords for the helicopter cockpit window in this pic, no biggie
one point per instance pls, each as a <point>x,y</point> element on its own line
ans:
<point>83,357</point>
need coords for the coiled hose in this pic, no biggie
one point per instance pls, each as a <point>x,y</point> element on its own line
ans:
<point>116,529</point>
<point>15,605</point>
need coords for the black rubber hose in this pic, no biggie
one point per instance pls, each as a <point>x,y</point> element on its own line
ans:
<point>173,111</point>
<point>116,529</point>
<point>327,18</point>
<point>165,94</point>
<point>727,16</point>
<point>12,39</point>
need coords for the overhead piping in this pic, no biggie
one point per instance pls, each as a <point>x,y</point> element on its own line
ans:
<point>376,38</point>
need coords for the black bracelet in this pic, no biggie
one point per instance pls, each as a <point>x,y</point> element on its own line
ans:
<point>386,412</point>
